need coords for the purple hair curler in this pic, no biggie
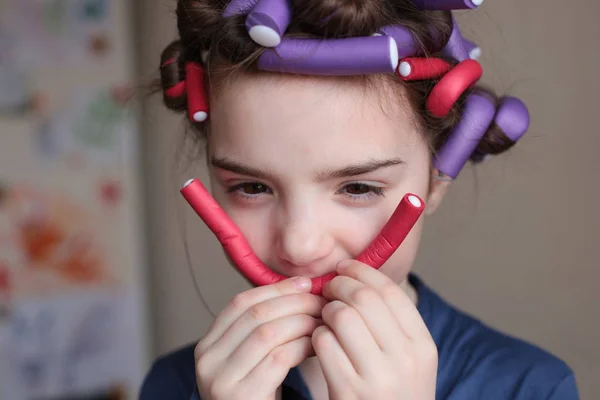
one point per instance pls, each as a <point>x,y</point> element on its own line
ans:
<point>455,48</point>
<point>236,7</point>
<point>446,5</point>
<point>473,49</point>
<point>268,21</point>
<point>476,119</point>
<point>512,117</point>
<point>349,56</point>
<point>405,41</point>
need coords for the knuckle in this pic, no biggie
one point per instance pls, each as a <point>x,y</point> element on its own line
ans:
<point>408,365</point>
<point>265,333</point>
<point>259,311</point>
<point>365,296</point>
<point>280,357</point>
<point>239,301</point>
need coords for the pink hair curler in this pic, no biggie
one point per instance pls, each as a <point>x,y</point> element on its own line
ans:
<point>237,248</point>
<point>419,68</point>
<point>196,92</point>
<point>449,89</point>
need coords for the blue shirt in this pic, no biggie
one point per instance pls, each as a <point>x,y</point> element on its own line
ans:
<point>475,362</point>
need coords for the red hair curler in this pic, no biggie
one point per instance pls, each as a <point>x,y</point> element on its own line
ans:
<point>196,92</point>
<point>419,68</point>
<point>448,90</point>
<point>237,248</point>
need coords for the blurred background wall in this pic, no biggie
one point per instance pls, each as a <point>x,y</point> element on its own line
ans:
<point>73,321</point>
<point>93,231</point>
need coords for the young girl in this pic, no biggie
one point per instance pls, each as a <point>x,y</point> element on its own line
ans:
<point>318,118</point>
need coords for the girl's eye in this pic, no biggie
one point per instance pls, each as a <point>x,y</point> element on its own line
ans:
<point>249,189</point>
<point>362,191</point>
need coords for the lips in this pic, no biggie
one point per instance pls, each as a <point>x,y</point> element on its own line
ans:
<point>237,248</point>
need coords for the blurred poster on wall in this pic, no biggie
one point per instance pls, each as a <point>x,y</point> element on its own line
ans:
<point>72,311</point>
<point>43,33</point>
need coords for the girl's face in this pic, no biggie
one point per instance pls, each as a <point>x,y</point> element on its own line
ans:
<point>310,169</point>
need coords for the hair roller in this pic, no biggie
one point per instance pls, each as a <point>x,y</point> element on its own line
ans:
<point>476,118</point>
<point>446,5</point>
<point>512,118</point>
<point>268,21</point>
<point>238,7</point>
<point>196,92</point>
<point>449,89</point>
<point>473,50</point>
<point>455,48</point>
<point>350,56</point>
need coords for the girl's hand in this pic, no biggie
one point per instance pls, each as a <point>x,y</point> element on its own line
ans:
<point>256,339</point>
<point>374,344</point>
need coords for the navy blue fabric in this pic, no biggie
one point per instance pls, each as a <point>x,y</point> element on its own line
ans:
<point>475,362</point>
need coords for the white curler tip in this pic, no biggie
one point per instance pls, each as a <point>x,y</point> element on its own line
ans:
<point>477,3</point>
<point>475,53</point>
<point>200,116</point>
<point>393,53</point>
<point>414,200</point>
<point>405,69</point>
<point>264,36</point>
<point>377,34</point>
<point>188,183</point>
<point>204,56</point>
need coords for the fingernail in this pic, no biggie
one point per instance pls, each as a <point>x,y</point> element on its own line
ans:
<point>302,283</point>
<point>342,265</point>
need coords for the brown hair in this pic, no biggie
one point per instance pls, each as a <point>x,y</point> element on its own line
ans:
<point>229,48</point>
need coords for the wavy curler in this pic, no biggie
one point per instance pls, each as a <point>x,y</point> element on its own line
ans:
<point>238,249</point>
<point>452,85</point>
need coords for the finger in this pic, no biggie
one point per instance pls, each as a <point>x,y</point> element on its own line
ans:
<point>353,335</point>
<point>398,302</point>
<point>261,313</point>
<point>242,301</point>
<point>264,340</point>
<point>337,367</point>
<point>270,373</point>
<point>379,320</point>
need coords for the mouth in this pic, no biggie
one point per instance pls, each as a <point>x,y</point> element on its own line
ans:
<point>392,235</point>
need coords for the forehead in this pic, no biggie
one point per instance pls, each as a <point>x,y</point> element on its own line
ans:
<point>304,116</point>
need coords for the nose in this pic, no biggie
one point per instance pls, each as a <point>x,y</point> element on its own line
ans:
<point>304,237</point>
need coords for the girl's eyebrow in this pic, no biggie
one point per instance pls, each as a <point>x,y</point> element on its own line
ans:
<point>358,169</point>
<point>345,172</point>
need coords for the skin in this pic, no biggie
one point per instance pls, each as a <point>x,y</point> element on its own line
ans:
<point>289,178</point>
